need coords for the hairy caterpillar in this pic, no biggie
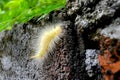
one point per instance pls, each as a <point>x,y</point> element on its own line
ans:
<point>47,41</point>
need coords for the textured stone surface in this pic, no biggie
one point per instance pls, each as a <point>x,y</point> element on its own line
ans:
<point>110,58</point>
<point>113,30</point>
<point>92,62</point>
<point>82,20</point>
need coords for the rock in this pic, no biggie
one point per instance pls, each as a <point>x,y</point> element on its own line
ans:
<point>81,21</point>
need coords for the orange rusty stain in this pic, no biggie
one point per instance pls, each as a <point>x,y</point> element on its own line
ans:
<point>109,58</point>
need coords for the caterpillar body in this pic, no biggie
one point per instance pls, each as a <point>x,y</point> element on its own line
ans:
<point>47,41</point>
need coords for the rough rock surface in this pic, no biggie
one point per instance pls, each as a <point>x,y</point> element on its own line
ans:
<point>92,62</point>
<point>82,20</point>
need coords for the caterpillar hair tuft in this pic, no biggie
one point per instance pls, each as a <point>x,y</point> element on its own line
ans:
<point>46,42</point>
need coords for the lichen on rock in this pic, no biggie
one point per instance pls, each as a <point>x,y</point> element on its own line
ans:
<point>91,61</point>
<point>6,62</point>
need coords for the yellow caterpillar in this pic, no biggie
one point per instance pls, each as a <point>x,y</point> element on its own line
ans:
<point>47,41</point>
